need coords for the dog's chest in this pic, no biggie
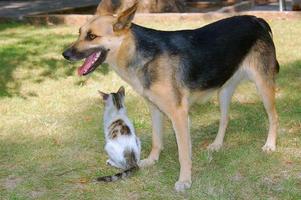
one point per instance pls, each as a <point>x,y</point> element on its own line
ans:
<point>131,76</point>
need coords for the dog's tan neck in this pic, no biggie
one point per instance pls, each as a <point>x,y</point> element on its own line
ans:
<point>123,65</point>
<point>126,51</point>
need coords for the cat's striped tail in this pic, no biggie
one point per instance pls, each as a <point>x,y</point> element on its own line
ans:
<point>118,176</point>
<point>132,166</point>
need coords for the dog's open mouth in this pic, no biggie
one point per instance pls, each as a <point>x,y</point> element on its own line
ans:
<point>92,62</point>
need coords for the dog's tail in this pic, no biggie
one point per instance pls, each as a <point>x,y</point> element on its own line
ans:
<point>132,166</point>
<point>265,25</point>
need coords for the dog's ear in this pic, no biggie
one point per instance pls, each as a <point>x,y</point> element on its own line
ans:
<point>121,91</point>
<point>104,96</point>
<point>108,7</point>
<point>125,18</point>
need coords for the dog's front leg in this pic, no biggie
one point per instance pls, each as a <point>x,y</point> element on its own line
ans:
<point>157,145</point>
<point>180,121</point>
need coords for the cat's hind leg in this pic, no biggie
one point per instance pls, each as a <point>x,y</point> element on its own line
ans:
<point>112,163</point>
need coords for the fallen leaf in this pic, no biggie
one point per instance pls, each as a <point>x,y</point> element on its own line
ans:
<point>81,181</point>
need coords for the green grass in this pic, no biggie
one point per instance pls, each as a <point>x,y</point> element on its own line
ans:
<point>51,139</point>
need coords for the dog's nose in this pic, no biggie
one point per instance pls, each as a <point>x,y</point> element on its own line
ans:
<point>66,55</point>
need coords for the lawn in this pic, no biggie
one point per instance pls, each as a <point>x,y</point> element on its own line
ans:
<point>51,137</point>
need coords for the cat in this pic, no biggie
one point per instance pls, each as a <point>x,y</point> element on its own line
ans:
<point>121,143</point>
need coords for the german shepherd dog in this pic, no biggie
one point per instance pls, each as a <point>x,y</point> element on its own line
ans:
<point>172,69</point>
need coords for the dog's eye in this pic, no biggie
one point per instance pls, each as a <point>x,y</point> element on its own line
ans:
<point>91,36</point>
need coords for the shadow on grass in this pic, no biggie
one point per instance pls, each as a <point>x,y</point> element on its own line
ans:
<point>4,26</point>
<point>8,65</point>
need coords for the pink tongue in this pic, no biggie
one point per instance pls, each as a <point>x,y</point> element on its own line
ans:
<point>87,65</point>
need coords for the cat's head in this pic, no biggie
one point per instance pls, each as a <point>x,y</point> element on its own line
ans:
<point>114,102</point>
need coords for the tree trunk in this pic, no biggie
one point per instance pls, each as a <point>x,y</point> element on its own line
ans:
<point>296,5</point>
<point>145,6</point>
<point>158,6</point>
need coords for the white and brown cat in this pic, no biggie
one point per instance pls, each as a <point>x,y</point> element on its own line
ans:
<point>121,143</point>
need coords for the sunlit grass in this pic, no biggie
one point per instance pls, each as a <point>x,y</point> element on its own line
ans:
<point>51,139</point>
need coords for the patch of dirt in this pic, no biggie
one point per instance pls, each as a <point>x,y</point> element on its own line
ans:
<point>36,194</point>
<point>299,176</point>
<point>12,182</point>
<point>272,183</point>
<point>133,196</point>
<point>237,177</point>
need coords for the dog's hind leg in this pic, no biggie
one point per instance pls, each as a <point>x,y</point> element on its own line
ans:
<point>268,96</point>
<point>266,89</point>
<point>262,70</point>
<point>157,145</point>
<point>225,96</point>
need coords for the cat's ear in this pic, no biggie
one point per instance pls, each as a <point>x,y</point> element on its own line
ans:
<point>121,91</point>
<point>104,96</point>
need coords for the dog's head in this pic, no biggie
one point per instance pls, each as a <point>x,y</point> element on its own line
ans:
<point>100,38</point>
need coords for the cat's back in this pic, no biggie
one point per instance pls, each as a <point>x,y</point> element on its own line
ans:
<point>119,128</point>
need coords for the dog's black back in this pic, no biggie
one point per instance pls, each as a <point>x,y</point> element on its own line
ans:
<point>209,55</point>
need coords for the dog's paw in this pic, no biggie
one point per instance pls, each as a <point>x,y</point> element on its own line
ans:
<point>269,148</point>
<point>146,163</point>
<point>215,146</point>
<point>181,186</point>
